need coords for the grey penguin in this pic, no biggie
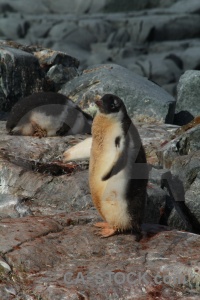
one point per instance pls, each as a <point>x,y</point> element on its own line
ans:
<point>118,170</point>
<point>47,114</point>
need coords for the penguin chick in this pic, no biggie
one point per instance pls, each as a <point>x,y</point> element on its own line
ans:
<point>78,152</point>
<point>47,114</point>
<point>118,172</point>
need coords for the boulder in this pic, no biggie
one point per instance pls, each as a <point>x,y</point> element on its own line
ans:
<point>186,142</point>
<point>140,95</point>
<point>188,92</point>
<point>28,69</point>
<point>20,76</point>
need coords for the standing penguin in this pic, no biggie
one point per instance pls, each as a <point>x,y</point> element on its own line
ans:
<point>118,171</point>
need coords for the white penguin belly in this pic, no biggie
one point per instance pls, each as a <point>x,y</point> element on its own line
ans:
<point>113,203</point>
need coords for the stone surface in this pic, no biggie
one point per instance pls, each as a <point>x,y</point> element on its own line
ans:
<point>47,239</point>
<point>184,144</point>
<point>28,69</point>
<point>188,93</point>
<point>185,7</point>
<point>28,76</point>
<point>63,258</point>
<point>141,96</point>
<point>46,212</point>
<point>128,33</point>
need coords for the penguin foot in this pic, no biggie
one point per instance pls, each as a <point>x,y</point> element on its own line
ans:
<point>106,229</point>
<point>38,131</point>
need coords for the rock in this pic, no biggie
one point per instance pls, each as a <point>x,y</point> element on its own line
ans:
<point>191,58</point>
<point>63,257</point>
<point>49,184</point>
<point>176,28</point>
<point>33,7</point>
<point>49,58</point>
<point>55,252</point>
<point>184,144</point>
<point>58,66</point>
<point>190,164</point>
<point>155,204</point>
<point>186,169</point>
<point>5,8</point>
<point>86,32</point>
<point>29,69</point>
<point>81,37</point>
<point>192,197</point>
<point>159,68</point>
<point>78,7</point>
<point>188,93</point>
<point>12,206</point>
<point>98,26</point>
<point>140,95</point>
<point>13,30</point>
<point>116,6</point>
<point>27,76</point>
<point>184,6</point>
<point>59,75</point>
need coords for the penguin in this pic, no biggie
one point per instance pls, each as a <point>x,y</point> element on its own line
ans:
<point>80,151</point>
<point>47,114</point>
<point>118,170</point>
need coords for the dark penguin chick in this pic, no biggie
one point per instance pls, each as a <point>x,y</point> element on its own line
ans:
<point>47,114</point>
<point>118,171</point>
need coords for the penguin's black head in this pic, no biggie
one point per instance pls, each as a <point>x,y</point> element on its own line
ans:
<point>109,104</point>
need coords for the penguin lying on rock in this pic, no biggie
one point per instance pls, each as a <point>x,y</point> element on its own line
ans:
<point>47,114</point>
<point>118,171</point>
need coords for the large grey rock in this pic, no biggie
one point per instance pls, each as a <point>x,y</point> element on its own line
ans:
<point>188,93</point>
<point>20,75</point>
<point>140,95</point>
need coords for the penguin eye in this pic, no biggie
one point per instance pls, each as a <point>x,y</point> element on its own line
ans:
<point>114,104</point>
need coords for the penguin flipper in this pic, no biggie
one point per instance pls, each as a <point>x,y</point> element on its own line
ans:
<point>118,164</point>
<point>80,151</point>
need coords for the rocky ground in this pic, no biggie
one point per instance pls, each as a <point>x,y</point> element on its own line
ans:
<point>156,39</point>
<point>48,246</point>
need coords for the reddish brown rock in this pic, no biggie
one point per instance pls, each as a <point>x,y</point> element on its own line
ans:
<point>60,262</point>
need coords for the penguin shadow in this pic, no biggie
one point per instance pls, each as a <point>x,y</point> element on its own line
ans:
<point>147,232</point>
<point>175,196</point>
<point>151,230</point>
